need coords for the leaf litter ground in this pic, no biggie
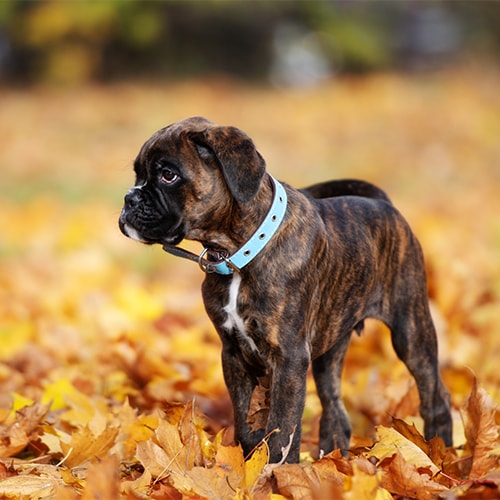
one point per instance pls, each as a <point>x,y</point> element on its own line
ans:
<point>110,378</point>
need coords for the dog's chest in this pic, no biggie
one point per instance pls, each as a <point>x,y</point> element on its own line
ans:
<point>235,324</point>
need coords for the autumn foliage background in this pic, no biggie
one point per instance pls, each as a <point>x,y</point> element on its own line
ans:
<point>110,377</point>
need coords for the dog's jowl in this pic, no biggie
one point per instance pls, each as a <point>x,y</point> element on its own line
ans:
<point>290,274</point>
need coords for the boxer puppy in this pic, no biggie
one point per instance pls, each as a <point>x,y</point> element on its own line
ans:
<point>290,274</point>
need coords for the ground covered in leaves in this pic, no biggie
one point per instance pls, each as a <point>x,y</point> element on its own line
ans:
<point>110,378</point>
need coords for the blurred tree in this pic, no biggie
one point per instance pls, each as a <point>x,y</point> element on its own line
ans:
<point>71,41</point>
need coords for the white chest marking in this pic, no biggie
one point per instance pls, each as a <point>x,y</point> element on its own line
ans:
<point>234,320</point>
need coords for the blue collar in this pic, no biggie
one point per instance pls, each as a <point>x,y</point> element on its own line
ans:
<point>219,261</point>
<point>258,240</point>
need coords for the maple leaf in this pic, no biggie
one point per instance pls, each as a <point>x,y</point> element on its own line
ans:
<point>85,446</point>
<point>390,442</point>
<point>481,431</point>
<point>402,477</point>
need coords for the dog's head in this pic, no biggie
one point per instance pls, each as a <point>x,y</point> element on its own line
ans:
<point>189,176</point>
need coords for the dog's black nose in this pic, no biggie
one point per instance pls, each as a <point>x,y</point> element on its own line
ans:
<point>132,198</point>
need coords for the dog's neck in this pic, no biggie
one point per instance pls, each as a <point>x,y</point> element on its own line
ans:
<point>243,222</point>
<point>221,260</point>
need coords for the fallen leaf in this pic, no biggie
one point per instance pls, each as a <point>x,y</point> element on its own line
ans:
<point>259,405</point>
<point>390,442</point>
<point>365,485</point>
<point>401,477</point>
<point>15,437</point>
<point>102,480</point>
<point>24,486</point>
<point>297,481</point>
<point>192,434</point>
<point>85,446</point>
<point>481,431</point>
<point>255,465</point>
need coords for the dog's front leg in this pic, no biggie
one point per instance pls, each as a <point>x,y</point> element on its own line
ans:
<point>288,393</point>
<point>240,384</point>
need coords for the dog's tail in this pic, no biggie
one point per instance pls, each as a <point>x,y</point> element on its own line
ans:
<point>345,187</point>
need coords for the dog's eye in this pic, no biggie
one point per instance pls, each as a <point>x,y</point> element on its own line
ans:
<point>169,176</point>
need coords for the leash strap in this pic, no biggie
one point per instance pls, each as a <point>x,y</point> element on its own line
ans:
<point>217,261</point>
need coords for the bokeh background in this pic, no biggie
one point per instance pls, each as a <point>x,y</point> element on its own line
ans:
<point>403,94</point>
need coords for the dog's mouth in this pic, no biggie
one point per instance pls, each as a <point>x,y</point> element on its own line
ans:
<point>151,235</point>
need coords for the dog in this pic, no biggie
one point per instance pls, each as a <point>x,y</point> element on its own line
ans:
<point>290,275</point>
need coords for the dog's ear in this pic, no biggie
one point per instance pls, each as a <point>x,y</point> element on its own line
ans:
<point>235,153</point>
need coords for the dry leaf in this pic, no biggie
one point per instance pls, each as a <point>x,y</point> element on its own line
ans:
<point>259,405</point>
<point>192,434</point>
<point>102,480</point>
<point>390,442</point>
<point>15,437</point>
<point>115,337</point>
<point>481,431</point>
<point>297,481</point>
<point>25,486</point>
<point>85,446</point>
<point>401,477</point>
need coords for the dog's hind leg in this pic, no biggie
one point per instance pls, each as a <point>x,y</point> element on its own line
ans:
<point>414,340</point>
<point>335,428</point>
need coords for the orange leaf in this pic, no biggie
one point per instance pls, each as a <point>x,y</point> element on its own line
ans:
<point>102,480</point>
<point>402,478</point>
<point>15,437</point>
<point>481,431</point>
<point>297,480</point>
<point>259,405</point>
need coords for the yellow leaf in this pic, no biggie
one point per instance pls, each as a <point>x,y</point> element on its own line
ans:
<point>61,392</point>
<point>153,458</point>
<point>255,465</point>
<point>170,441</point>
<point>19,401</point>
<point>14,335</point>
<point>85,446</point>
<point>389,442</point>
<point>69,478</point>
<point>365,486</point>
<point>140,430</point>
<point>139,303</point>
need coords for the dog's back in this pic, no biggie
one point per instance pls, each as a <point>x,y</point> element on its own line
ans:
<point>345,187</point>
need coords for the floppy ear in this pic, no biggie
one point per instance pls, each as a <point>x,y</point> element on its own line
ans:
<point>241,164</point>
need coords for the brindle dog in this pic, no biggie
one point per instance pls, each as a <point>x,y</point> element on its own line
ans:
<point>342,253</point>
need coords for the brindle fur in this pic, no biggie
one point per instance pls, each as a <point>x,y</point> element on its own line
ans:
<point>342,254</point>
